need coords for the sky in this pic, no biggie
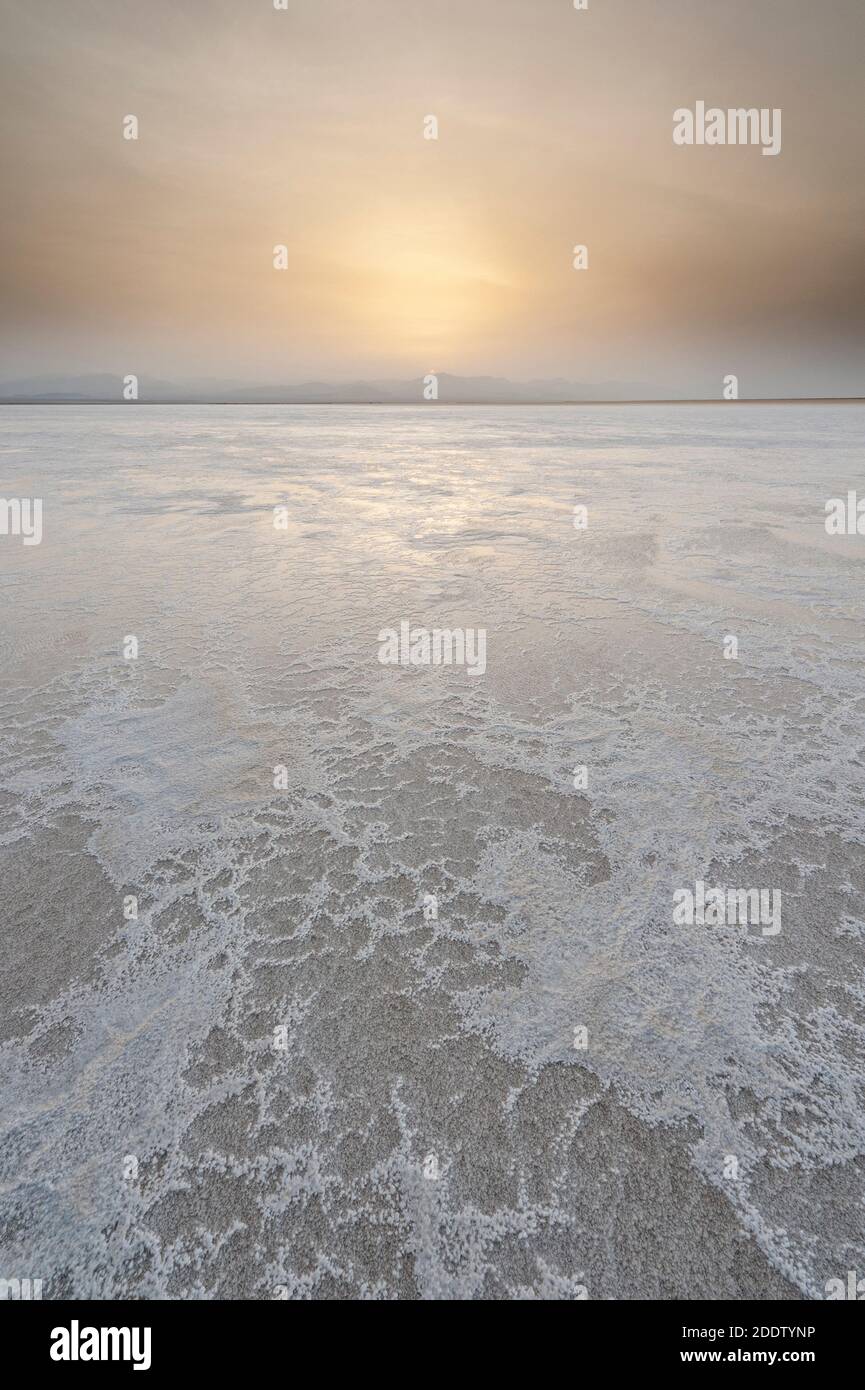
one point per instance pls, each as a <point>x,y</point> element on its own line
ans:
<point>304,127</point>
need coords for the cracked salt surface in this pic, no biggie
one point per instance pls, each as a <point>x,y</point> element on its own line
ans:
<point>299,1171</point>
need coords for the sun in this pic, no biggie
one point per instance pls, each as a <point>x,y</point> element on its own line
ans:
<point>433,281</point>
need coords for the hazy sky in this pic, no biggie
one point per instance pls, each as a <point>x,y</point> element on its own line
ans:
<point>305,127</point>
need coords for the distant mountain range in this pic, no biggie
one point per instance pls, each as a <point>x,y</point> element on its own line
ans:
<point>101,388</point>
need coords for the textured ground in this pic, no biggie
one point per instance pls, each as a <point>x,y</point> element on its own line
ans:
<point>154,1140</point>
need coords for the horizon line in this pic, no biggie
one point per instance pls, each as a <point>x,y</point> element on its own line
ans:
<point>606,400</point>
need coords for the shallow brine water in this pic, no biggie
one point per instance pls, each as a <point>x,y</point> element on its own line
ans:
<point>404,1010</point>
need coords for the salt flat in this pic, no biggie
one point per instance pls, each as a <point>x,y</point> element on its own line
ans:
<point>414,1018</point>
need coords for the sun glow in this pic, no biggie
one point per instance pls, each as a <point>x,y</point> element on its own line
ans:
<point>433,283</point>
